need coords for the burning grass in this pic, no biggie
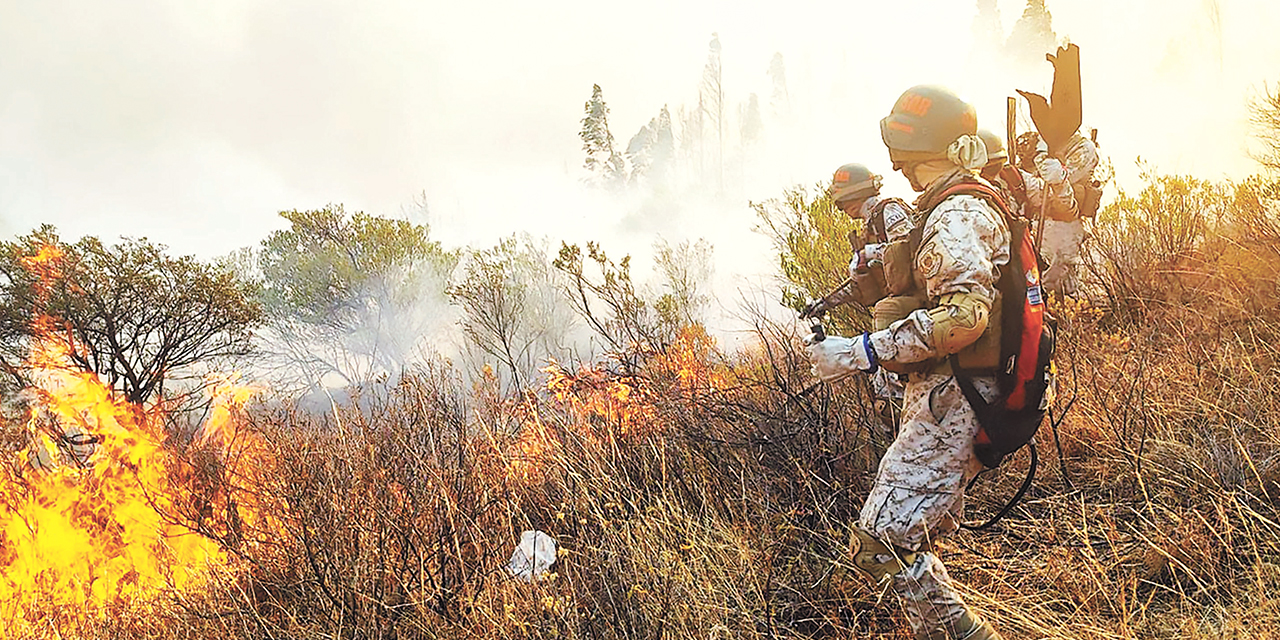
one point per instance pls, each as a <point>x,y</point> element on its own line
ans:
<point>94,509</point>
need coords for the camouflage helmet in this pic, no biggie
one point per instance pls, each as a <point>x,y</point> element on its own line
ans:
<point>924,121</point>
<point>853,182</point>
<point>995,147</point>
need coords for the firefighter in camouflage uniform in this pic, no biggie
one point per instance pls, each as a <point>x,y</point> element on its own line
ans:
<point>1057,137</point>
<point>879,220</point>
<point>1063,191</point>
<point>941,299</point>
<point>1064,236</point>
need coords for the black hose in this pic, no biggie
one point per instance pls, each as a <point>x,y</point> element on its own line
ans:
<point>1022,491</point>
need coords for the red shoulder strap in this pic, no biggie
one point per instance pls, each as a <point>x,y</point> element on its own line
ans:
<point>1013,177</point>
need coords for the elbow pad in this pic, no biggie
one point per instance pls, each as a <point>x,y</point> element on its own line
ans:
<point>958,321</point>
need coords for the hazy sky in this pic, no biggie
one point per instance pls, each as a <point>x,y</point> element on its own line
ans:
<point>193,123</point>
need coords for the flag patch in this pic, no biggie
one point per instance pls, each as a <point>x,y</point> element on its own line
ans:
<point>1034,296</point>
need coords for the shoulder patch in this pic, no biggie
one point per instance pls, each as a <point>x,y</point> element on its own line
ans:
<point>930,259</point>
<point>894,217</point>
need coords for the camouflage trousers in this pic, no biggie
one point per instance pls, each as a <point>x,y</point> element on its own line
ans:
<point>918,494</point>
<point>887,391</point>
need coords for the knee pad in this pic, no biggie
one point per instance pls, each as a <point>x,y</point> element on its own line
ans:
<point>875,560</point>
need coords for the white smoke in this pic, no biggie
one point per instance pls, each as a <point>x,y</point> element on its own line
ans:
<point>193,124</point>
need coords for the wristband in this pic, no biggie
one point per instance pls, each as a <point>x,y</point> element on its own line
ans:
<point>873,363</point>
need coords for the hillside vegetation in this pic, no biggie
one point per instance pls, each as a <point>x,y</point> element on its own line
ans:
<point>696,493</point>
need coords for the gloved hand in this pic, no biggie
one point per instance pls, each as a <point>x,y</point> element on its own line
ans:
<point>815,308</point>
<point>1055,275</point>
<point>1050,169</point>
<point>864,258</point>
<point>837,357</point>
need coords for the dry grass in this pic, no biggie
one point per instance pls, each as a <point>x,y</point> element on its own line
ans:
<point>708,497</point>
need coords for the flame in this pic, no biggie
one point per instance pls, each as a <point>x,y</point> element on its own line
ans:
<point>533,446</point>
<point>596,405</point>
<point>246,460</point>
<point>592,404</point>
<point>594,396</point>
<point>688,359</point>
<point>46,263</point>
<point>88,535</point>
<point>220,430</point>
<point>91,511</point>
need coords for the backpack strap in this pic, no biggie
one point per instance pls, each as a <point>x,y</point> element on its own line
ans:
<point>877,219</point>
<point>1012,177</point>
<point>966,186</point>
<point>980,189</point>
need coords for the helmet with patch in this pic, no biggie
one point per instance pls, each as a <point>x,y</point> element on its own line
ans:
<point>853,182</point>
<point>924,122</point>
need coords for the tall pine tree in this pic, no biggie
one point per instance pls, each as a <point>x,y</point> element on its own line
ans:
<point>604,164</point>
<point>1032,36</point>
<point>780,98</point>
<point>752,123</point>
<point>651,148</point>
<point>711,101</point>
<point>988,32</point>
<point>691,140</point>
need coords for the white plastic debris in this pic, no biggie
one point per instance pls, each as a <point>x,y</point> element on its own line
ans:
<point>534,555</point>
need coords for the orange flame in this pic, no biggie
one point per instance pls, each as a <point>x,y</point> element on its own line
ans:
<point>688,359</point>
<point>88,534</point>
<point>46,263</point>
<point>595,404</point>
<point>594,396</point>
<point>592,404</point>
<point>90,509</point>
<point>534,445</point>
<point>246,458</point>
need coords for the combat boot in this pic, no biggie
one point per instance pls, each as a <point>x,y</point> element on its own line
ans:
<point>967,627</point>
<point>972,627</point>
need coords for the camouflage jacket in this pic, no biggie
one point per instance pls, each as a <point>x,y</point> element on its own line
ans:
<point>964,243</point>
